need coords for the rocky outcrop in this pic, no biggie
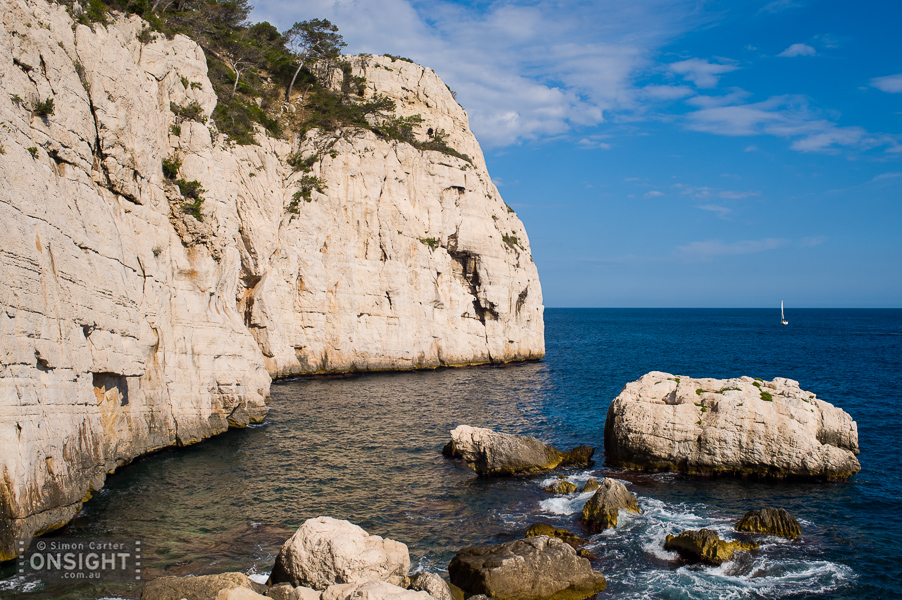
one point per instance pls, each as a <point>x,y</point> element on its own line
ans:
<point>703,545</point>
<point>325,551</point>
<point>537,568</point>
<point>127,325</point>
<point>603,508</point>
<point>434,585</point>
<point>537,529</point>
<point>739,426</point>
<point>200,588</point>
<point>770,521</point>
<point>493,454</point>
<point>560,486</point>
<point>591,485</point>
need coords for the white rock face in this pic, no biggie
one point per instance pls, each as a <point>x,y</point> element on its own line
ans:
<point>732,426</point>
<point>326,551</point>
<point>127,326</point>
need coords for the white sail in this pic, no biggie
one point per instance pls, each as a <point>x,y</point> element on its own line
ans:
<point>782,316</point>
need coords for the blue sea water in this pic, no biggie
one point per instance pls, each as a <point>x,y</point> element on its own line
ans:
<point>366,448</point>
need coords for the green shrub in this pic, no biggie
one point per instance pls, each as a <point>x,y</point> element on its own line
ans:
<point>394,58</point>
<point>184,81</point>
<point>176,130</point>
<point>34,151</point>
<point>171,168</point>
<point>510,240</point>
<point>193,190</point>
<point>766,396</point>
<point>433,243</point>
<point>43,108</point>
<point>306,185</point>
<point>699,391</point>
<point>190,112</point>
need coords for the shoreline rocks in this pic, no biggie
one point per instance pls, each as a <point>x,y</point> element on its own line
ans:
<point>537,568</point>
<point>770,521</point>
<point>740,426</point>
<point>537,529</point>
<point>603,508</point>
<point>494,454</point>
<point>326,551</point>
<point>704,545</point>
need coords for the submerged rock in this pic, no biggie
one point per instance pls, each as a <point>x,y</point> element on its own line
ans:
<point>771,521</point>
<point>704,545</point>
<point>538,568</point>
<point>203,587</point>
<point>325,551</point>
<point>737,426</point>
<point>537,529</point>
<point>560,486</point>
<point>493,454</point>
<point>602,509</point>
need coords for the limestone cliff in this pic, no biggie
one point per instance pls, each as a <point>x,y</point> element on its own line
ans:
<point>127,325</point>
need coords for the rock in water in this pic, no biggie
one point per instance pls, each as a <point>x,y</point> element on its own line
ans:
<point>437,587</point>
<point>591,485</point>
<point>325,551</point>
<point>560,486</point>
<point>200,588</point>
<point>493,454</point>
<point>771,521</point>
<point>602,509</point>
<point>737,426</point>
<point>538,568</point>
<point>372,590</point>
<point>537,529</point>
<point>704,545</point>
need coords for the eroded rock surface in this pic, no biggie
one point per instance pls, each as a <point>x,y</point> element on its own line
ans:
<point>372,590</point>
<point>537,568</point>
<point>770,521</point>
<point>126,325</point>
<point>203,587</point>
<point>537,529</point>
<point>326,551</point>
<point>739,426</point>
<point>603,508</point>
<point>704,545</point>
<point>494,454</point>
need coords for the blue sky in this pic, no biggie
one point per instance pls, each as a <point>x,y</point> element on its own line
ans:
<point>674,152</point>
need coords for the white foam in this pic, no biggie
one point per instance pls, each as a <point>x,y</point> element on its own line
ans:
<point>565,505</point>
<point>258,577</point>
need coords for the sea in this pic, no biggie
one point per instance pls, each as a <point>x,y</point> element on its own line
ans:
<point>366,448</point>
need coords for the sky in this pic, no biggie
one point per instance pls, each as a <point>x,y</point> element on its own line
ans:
<point>674,153</point>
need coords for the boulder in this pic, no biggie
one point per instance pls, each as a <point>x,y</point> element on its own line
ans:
<point>537,568</point>
<point>705,546</point>
<point>537,529</point>
<point>771,521</point>
<point>325,551</point>
<point>560,486</point>
<point>203,587</point>
<point>493,454</point>
<point>372,590</point>
<point>285,591</point>
<point>591,485</point>
<point>739,426</point>
<point>434,585</point>
<point>602,509</point>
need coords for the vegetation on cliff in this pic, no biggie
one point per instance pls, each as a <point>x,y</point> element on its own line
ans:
<point>254,69</point>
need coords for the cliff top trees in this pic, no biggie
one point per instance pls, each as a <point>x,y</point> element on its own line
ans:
<point>312,40</point>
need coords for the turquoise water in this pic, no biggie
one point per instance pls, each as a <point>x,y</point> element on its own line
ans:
<point>367,449</point>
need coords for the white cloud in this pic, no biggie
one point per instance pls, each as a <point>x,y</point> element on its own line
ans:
<point>890,83</point>
<point>788,117</point>
<point>733,195</point>
<point>751,148</point>
<point>707,250</point>
<point>885,176</point>
<point>702,73</point>
<point>798,50</point>
<point>721,211</point>
<point>654,194</point>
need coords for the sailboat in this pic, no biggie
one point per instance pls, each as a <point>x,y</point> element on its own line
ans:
<point>782,316</point>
